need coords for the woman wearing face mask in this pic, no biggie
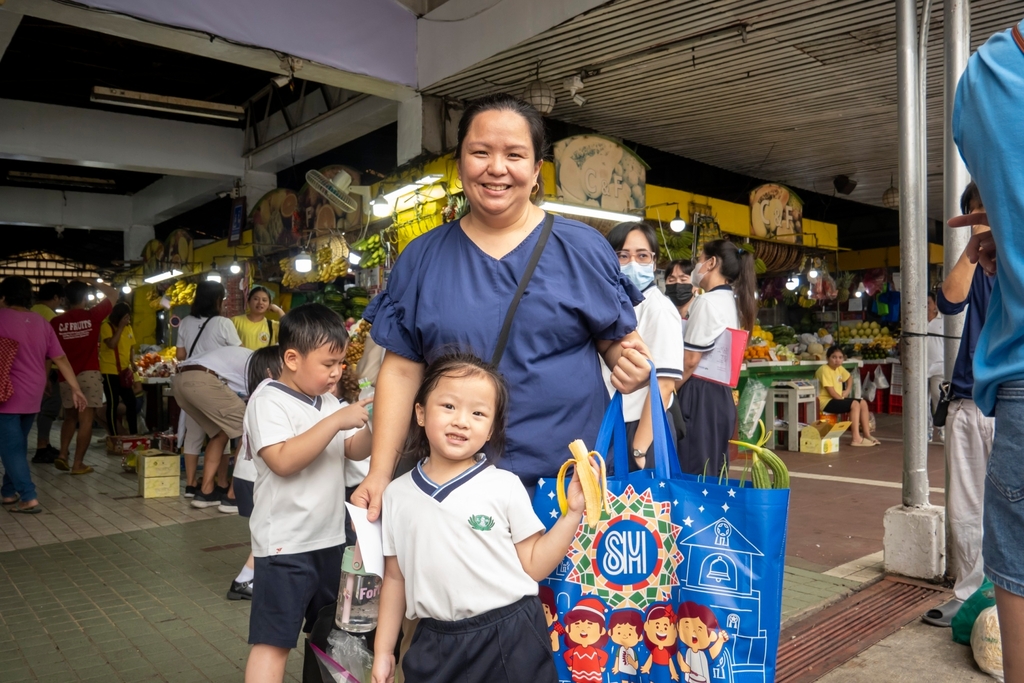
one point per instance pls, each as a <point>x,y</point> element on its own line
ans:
<point>658,324</point>
<point>678,287</point>
<point>726,274</point>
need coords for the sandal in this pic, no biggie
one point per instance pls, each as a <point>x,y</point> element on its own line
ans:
<point>863,444</point>
<point>84,470</point>
<point>874,441</point>
<point>34,510</point>
<point>62,465</point>
<point>12,501</point>
<point>943,616</point>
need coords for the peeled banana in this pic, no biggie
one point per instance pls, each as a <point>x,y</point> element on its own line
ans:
<point>594,490</point>
<point>763,461</point>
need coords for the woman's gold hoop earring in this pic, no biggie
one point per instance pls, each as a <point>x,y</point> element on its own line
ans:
<point>536,188</point>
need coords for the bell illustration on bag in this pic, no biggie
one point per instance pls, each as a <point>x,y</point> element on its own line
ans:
<point>719,570</point>
<point>359,595</point>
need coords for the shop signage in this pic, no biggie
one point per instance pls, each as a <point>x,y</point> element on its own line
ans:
<point>592,170</point>
<point>237,221</point>
<point>776,213</point>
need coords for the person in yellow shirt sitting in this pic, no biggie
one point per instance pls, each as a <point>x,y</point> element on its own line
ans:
<point>254,328</point>
<point>834,397</point>
<point>116,341</point>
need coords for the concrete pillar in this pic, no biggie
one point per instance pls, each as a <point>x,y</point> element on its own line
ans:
<point>135,238</point>
<point>426,125</point>
<point>255,184</point>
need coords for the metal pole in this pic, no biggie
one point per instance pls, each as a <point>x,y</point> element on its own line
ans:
<point>913,260</point>
<point>956,49</point>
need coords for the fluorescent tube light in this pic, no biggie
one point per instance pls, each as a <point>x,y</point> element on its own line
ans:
<point>167,275</point>
<point>590,212</point>
<point>173,105</point>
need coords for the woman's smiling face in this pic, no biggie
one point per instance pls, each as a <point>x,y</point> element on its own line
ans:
<point>498,167</point>
<point>661,632</point>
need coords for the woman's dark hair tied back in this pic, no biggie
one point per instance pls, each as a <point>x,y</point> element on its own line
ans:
<point>737,267</point>
<point>209,295</point>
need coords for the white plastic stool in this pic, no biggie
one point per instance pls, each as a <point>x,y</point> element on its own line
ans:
<point>791,399</point>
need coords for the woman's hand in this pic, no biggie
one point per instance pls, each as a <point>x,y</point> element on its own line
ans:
<point>632,371</point>
<point>370,494</point>
<point>276,309</point>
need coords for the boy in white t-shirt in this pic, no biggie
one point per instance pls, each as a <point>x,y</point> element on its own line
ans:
<point>299,436</point>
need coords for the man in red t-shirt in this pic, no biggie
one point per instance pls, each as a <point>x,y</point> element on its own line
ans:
<point>79,333</point>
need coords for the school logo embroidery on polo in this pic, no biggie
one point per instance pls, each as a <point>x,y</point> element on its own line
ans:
<point>481,522</point>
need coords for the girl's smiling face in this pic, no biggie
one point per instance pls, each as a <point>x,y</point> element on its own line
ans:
<point>661,631</point>
<point>259,302</point>
<point>694,634</point>
<point>458,416</point>
<point>585,632</point>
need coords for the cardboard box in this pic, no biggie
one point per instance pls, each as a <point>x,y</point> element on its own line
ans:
<point>119,445</point>
<point>159,487</point>
<point>822,437</point>
<point>154,463</point>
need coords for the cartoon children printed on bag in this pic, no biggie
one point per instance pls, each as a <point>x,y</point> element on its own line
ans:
<point>660,639</point>
<point>699,636</point>
<point>547,603</point>
<point>585,635</point>
<point>625,628</point>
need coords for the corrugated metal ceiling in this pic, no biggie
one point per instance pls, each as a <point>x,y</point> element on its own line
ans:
<point>809,95</point>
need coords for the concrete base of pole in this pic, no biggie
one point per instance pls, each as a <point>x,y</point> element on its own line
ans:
<point>915,541</point>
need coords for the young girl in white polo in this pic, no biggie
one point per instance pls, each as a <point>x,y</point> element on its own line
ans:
<point>463,548</point>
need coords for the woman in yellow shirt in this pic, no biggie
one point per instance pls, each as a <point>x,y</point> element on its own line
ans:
<point>116,341</point>
<point>836,386</point>
<point>254,328</point>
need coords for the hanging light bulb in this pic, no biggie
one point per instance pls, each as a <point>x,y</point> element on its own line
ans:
<point>127,289</point>
<point>860,290</point>
<point>381,205</point>
<point>354,258</point>
<point>303,262</point>
<point>792,283</point>
<point>235,268</point>
<point>813,273</point>
<point>677,224</point>
<point>213,276</point>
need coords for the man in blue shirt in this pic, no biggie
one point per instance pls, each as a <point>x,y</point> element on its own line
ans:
<point>969,432</point>
<point>988,118</point>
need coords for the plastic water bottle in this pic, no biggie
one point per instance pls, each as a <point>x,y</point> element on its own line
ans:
<point>359,595</point>
<point>366,391</point>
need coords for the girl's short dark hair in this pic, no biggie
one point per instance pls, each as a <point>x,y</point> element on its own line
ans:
<point>617,236</point>
<point>256,290</point>
<point>511,103</point>
<point>118,312</point>
<point>832,349</point>
<point>209,295</point>
<point>685,266</point>
<point>310,326</point>
<point>263,363</point>
<point>16,291</point>
<point>459,364</point>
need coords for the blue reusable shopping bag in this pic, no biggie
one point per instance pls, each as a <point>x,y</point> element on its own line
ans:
<point>681,579</point>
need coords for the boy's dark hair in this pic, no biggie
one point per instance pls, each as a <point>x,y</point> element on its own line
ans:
<point>617,236</point>
<point>263,363</point>
<point>50,291</point>
<point>630,617</point>
<point>310,326</point>
<point>971,199</point>
<point>16,291</point>
<point>459,364</point>
<point>209,295</point>
<point>76,292</point>
<point>685,265</point>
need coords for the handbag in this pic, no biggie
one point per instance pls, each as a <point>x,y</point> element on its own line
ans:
<point>126,376</point>
<point>942,407</point>
<point>8,350</point>
<point>675,559</point>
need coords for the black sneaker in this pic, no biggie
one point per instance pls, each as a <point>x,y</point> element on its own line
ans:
<point>228,506</point>
<point>220,491</point>
<point>191,491</point>
<point>240,591</point>
<point>205,500</point>
<point>45,455</point>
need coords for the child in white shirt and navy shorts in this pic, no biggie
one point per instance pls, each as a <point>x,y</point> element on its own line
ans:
<point>298,435</point>
<point>463,547</point>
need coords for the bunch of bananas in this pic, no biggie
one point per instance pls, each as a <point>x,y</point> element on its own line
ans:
<point>329,268</point>
<point>373,251</point>
<point>593,489</point>
<point>181,293</point>
<point>293,278</point>
<point>154,297</point>
<point>764,460</point>
<point>357,343</point>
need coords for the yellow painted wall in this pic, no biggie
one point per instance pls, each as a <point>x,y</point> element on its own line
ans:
<point>885,257</point>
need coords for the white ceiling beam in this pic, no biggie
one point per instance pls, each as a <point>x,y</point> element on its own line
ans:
<point>53,208</point>
<point>33,131</point>
<point>194,42</point>
<point>8,25</point>
<point>352,120</point>
<point>462,33</point>
<point>171,196</point>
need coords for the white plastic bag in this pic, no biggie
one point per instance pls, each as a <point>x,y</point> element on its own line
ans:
<point>880,381</point>
<point>868,391</point>
<point>751,409</point>
<point>987,644</point>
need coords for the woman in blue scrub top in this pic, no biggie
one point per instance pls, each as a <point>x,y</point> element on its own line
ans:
<point>453,286</point>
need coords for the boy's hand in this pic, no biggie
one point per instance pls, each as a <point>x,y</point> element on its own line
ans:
<point>354,416</point>
<point>383,668</point>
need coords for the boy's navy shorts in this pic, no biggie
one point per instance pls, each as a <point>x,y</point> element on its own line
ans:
<point>243,497</point>
<point>508,643</point>
<point>288,589</point>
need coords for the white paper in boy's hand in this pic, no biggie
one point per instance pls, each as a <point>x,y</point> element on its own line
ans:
<point>370,536</point>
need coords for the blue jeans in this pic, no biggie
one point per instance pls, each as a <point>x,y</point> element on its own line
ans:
<point>14,429</point>
<point>1003,542</point>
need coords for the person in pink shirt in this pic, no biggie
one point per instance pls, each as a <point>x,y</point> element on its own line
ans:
<point>36,342</point>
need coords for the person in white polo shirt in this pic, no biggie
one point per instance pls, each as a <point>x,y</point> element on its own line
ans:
<point>463,547</point>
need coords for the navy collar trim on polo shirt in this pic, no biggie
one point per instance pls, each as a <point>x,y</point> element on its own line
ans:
<point>315,401</point>
<point>719,288</point>
<point>440,492</point>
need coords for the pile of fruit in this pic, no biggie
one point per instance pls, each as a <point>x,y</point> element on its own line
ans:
<point>758,352</point>
<point>181,293</point>
<point>156,364</point>
<point>865,333</point>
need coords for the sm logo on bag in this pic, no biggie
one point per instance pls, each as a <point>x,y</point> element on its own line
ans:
<point>627,552</point>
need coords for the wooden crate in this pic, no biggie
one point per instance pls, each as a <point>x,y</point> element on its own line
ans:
<point>159,487</point>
